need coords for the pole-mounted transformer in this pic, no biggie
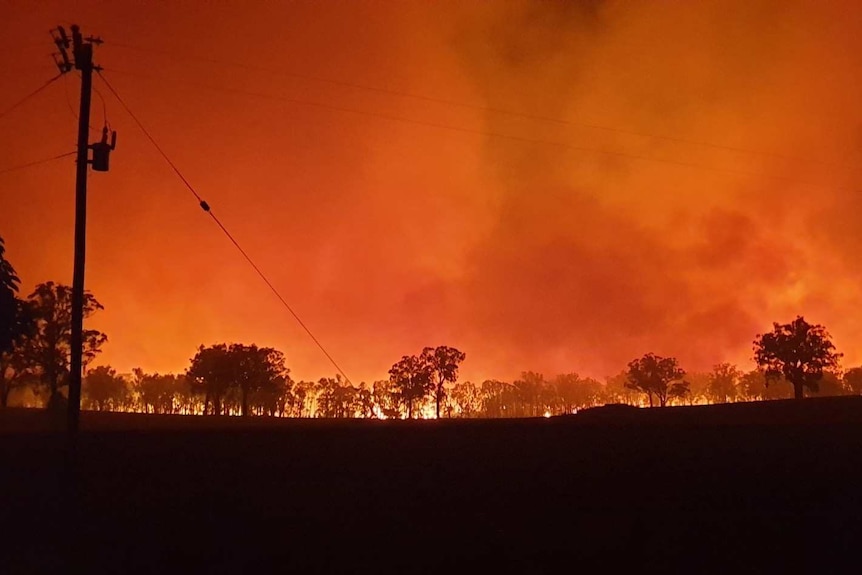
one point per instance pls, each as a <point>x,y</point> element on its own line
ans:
<point>102,151</point>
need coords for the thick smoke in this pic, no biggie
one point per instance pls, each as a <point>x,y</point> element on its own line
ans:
<point>594,260</point>
<point>391,223</point>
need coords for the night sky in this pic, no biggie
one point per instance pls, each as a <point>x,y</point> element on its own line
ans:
<point>546,186</point>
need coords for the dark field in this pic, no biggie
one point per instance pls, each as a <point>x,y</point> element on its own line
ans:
<point>754,488</point>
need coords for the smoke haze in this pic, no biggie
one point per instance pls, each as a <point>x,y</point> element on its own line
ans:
<point>529,240</point>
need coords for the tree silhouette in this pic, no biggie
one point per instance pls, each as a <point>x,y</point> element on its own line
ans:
<point>15,321</point>
<point>257,368</point>
<point>468,399</point>
<point>443,362</point>
<point>698,387</point>
<point>302,399</point>
<point>723,383</point>
<point>272,397</point>
<point>831,384</point>
<point>798,351</point>
<point>617,390</point>
<point>48,350</point>
<point>386,398</point>
<point>529,394</point>
<point>571,392</point>
<point>364,401</point>
<point>657,376</point>
<point>104,390</point>
<point>218,370</point>
<point>158,393</point>
<point>15,373</point>
<point>494,397</point>
<point>853,380</point>
<point>335,398</point>
<point>753,387</point>
<point>185,400</point>
<point>413,379</point>
<point>16,324</point>
<point>211,374</point>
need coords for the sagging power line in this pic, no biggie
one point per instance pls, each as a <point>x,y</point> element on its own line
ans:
<point>36,162</point>
<point>206,207</point>
<point>29,95</point>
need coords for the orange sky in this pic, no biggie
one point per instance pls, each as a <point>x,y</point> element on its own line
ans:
<point>527,243</point>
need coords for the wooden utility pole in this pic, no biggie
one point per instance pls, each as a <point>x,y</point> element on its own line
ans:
<point>82,52</point>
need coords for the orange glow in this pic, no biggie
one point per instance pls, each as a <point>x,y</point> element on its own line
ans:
<point>388,232</point>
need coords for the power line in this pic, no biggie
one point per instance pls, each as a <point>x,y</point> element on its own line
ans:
<point>37,162</point>
<point>468,106</point>
<point>153,141</point>
<point>276,292</point>
<point>30,95</point>
<point>203,204</point>
<point>105,121</point>
<point>500,135</point>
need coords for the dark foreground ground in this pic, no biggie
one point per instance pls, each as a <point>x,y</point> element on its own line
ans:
<point>737,489</point>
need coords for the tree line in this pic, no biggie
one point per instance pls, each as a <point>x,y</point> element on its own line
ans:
<point>226,379</point>
<point>531,395</point>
